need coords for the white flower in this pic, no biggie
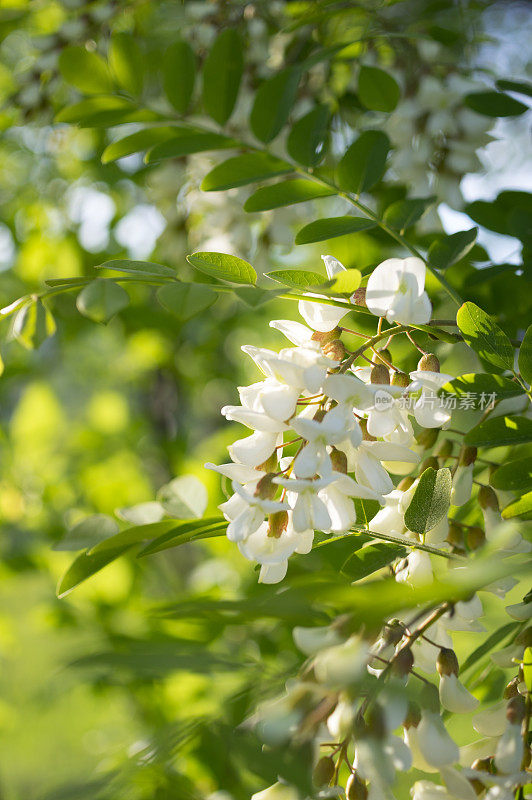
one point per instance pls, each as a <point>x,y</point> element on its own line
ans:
<point>509,753</point>
<point>337,498</point>
<point>417,570</point>
<point>245,518</point>
<point>521,611</point>
<point>330,430</point>
<point>491,721</point>
<point>296,332</point>
<point>255,449</point>
<point>343,664</point>
<point>321,317</point>
<point>340,722</point>
<point>395,290</point>
<point>308,510</point>
<point>426,790</point>
<point>312,640</point>
<point>299,367</point>
<point>428,409</point>
<point>435,745</point>
<point>454,696</point>
<point>462,485</point>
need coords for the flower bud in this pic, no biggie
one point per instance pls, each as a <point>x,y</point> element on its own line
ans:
<point>393,632</point>
<point>428,363</point>
<point>380,374</point>
<point>455,536</point>
<point>445,449</point>
<point>483,764</point>
<point>401,379</point>
<point>426,438</point>
<point>475,538</point>
<point>358,298</point>
<point>447,662</point>
<point>355,789</point>
<point>487,498</point>
<point>413,716</point>
<point>339,461</point>
<point>403,662</point>
<point>266,488</point>
<point>516,709</point>
<point>405,483</point>
<point>277,523</point>
<point>382,357</point>
<point>468,456</point>
<point>323,771</point>
<point>270,465</point>
<point>431,461</point>
<point>511,690</point>
<point>367,437</point>
<point>335,350</point>
<point>328,336</point>
<point>320,413</point>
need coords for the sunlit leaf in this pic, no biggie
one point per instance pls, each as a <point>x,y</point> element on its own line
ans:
<point>244,169</point>
<point>137,267</point>
<point>224,266</point>
<point>450,249</point>
<point>296,278</point>
<point>404,213</point>
<point>514,476</point>
<point>286,193</point>
<point>525,356</point>
<point>85,70</point>
<point>126,61</point>
<point>136,143</point>
<point>484,336</point>
<point>329,228</point>
<point>481,383</point>
<point>33,324</point>
<point>185,300</point>
<point>88,533</point>
<point>188,142</point>
<point>500,431</point>
<point>101,299</point>
<point>370,559</point>
<point>520,508</point>
<point>430,502</point>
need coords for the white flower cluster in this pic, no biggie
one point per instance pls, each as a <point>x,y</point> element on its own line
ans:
<point>349,427</point>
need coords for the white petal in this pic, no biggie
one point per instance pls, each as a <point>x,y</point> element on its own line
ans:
<point>321,317</point>
<point>294,331</point>
<point>255,449</point>
<point>333,266</point>
<point>435,744</point>
<point>273,573</point>
<point>455,697</point>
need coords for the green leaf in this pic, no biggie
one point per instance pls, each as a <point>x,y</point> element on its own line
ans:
<point>101,299</point>
<point>184,497</point>
<point>189,533</point>
<point>285,193</point>
<point>494,104</point>
<point>500,431</point>
<point>296,278</point>
<point>137,267</point>
<point>450,249</point>
<point>222,73</point>
<point>273,102</point>
<point>370,559</point>
<point>484,336</point>
<point>179,73</point>
<point>86,565</point>
<point>516,476</point>
<point>84,70</point>
<point>524,358</point>
<point>488,644</point>
<point>377,89</point>
<point>88,533</point>
<point>142,513</point>
<point>223,266</point>
<point>244,169</point>
<point>189,142</point>
<point>345,282</point>
<point>254,297</point>
<point>185,300</point>
<point>404,213</point>
<point>364,162</point>
<point>482,383</point>
<point>136,143</point>
<point>527,667</point>
<point>308,136</point>
<point>430,502</point>
<point>32,324</point>
<point>134,535</point>
<point>522,508</point>
<point>331,227</point>
<point>105,112</point>
<point>126,61</point>
<point>521,87</point>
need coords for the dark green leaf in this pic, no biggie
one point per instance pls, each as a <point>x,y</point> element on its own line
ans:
<point>185,300</point>
<point>105,112</point>
<point>223,266</point>
<point>521,508</point>
<point>482,383</point>
<point>308,136</point>
<point>101,299</point>
<point>494,104</point>
<point>88,533</point>
<point>273,102</point>
<point>404,213</point>
<point>137,267</point>
<point>525,356</point>
<point>370,559</point>
<point>127,62</point>
<point>430,502</point>
<point>377,89</point>
<point>286,193</point>
<point>296,278</point>
<point>500,431</point>
<point>136,143</point>
<point>222,73</point>
<point>135,535</point>
<point>187,143</point>
<point>492,641</point>
<point>331,227</point>
<point>244,169</point>
<point>85,70</point>
<point>521,87</point>
<point>484,336</point>
<point>33,323</point>
<point>364,163</point>
<point>179,72</point>
<point>253,297</point>
<point>516,476</point>
<point>450,249</point>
